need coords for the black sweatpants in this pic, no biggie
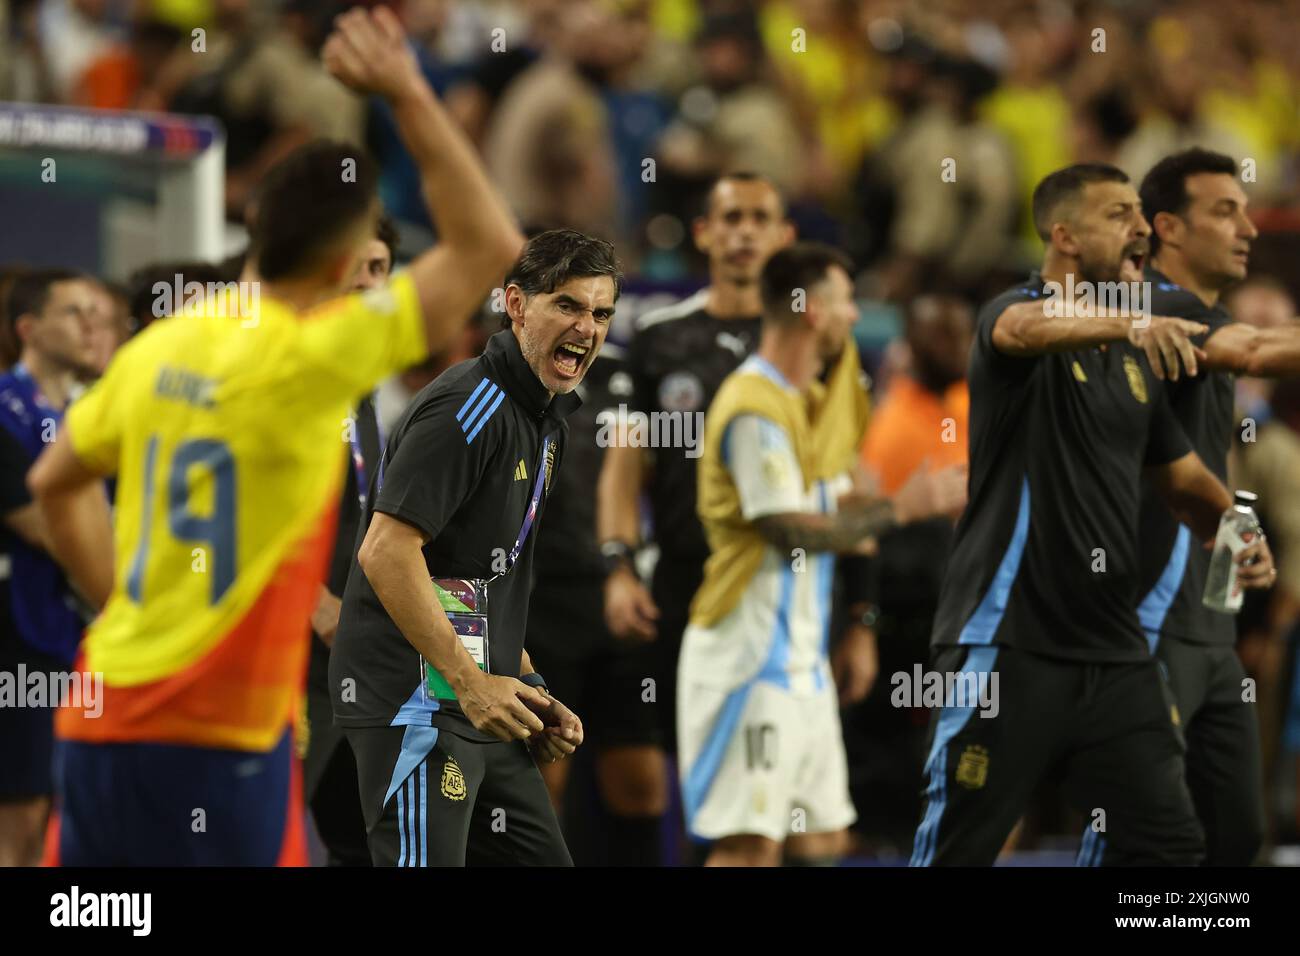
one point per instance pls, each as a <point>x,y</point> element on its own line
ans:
<point>1112,728</point>
<point>431,798</point>
<point>1224,768</point>
<point>330,782</point>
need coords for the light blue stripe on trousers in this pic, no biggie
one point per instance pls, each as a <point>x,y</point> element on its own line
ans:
<point>952,720</point>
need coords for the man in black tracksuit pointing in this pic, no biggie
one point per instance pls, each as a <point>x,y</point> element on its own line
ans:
<point>1067,414</point>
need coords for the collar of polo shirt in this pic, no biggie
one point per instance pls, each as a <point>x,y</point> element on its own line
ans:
<point>521,382</point>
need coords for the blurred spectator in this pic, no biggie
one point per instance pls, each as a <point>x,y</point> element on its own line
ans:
<point>921,423</point>
<point>261,76</point>
<point>832,81</point>
<point>1100,125</point>
<point>149,289</point>
<point>1030,109</point>
<point>108,326</point>
<point>1269,465</point>
<point>399,180</point>
<point>132,76</point>
<point>1265,303</point>
<point>74,35</point>
<point>475,97</point>
<point>24,70</point>
<point>40,622</point>
<point>9,344</point>
<point>1176,118</point>
<point>950,176</point>
<point>733,120</point>
<point>549,144</point>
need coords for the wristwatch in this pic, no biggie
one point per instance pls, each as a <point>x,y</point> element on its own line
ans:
<point>615,554</point>
<point>865,615</point>
<point>535,680</point>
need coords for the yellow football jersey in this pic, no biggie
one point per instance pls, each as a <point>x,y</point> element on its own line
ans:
<point>226,434</point>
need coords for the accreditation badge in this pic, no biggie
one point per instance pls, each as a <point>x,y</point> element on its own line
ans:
<point>464,601</point>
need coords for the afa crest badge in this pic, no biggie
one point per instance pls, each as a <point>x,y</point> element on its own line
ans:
<point>1137,384</point>
<point>453,781</point>
<point>973,767</point>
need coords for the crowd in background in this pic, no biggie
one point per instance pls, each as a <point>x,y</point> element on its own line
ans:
<point>840,102</point>
<point>614,116</point>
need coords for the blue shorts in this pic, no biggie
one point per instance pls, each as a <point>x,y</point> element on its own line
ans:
<point>143,804</point>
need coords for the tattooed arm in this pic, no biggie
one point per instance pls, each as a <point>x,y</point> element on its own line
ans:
<point>924,495</point>
<point>842,531</point>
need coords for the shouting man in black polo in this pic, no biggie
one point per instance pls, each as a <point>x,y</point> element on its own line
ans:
<point>430,678</point>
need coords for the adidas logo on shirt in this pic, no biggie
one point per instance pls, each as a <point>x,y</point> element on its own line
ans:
<point>521,472</point>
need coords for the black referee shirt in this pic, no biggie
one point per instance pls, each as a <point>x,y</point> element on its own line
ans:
<point>1045,556</point>
<point>677,360</point>
<point>567,550</point>
<point>1174,564</point>
<point>461,466</point>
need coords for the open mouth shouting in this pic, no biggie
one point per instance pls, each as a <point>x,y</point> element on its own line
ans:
<point>1135,257</point>
<point>569,359</point>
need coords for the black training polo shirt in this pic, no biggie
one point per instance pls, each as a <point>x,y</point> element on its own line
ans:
<point>678,359</point>
<point>1045,556</point>
<point>461,466</point>
<point>1174,564</point>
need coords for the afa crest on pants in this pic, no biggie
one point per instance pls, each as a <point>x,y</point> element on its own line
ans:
<point>973,767</point>
<point>453,781</point>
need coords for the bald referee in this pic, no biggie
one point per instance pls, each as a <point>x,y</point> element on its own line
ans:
<point>430,678</point>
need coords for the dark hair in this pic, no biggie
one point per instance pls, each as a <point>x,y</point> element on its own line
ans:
<point>140,294</point>
<point>305,205</point>
<point>552,258</point>
<point>739,176</point>
<point>1164,188</point>
<point>800,265</point>
<point>1065,185</point>
<point>386,232</point>
<point>741,28</point>
<point>31,291</point>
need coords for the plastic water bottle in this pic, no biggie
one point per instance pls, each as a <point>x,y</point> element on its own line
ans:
<point>1237,528</point>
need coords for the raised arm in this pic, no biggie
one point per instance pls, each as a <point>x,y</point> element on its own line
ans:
<point>478,240</point>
